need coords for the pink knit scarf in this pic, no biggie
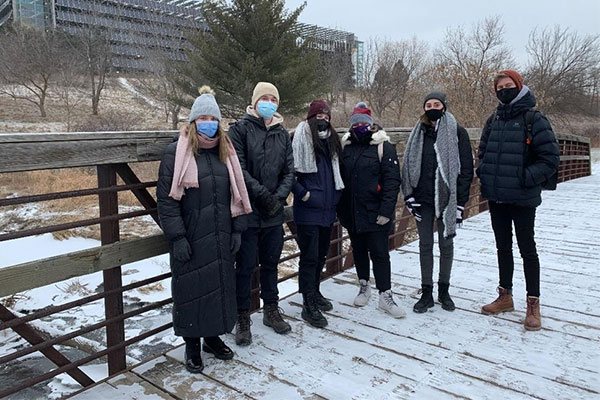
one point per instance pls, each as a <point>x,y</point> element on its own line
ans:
<point>185,174</point>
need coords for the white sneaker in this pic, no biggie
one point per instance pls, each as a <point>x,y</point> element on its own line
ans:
<point>387,304</point>
<point>364,294</point>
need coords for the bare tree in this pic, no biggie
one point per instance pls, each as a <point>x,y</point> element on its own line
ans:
<point>160,82</point>
<point>336,74</point>
<point>392,68</point>
<point>465,65</point>
<point>70,83</point>
<point>563,69</point>
<point>28,64</point>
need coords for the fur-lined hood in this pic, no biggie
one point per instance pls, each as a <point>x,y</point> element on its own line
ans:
<point>376,138</point>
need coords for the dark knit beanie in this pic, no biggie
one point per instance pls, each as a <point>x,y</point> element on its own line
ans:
<point>361,113</point>
<point>318,107</point>
<point>436,94</point>
<point>512,74</point>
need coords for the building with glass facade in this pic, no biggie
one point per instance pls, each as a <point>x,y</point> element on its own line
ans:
<point>137,27</point>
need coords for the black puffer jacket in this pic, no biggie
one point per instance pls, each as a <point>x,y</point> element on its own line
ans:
<point>371,187</point>
<point>424,193</point>
<point>267,161</point>
<point>203,288</point>
<point>509,171</point>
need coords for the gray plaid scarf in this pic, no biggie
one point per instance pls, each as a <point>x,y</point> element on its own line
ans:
<point>446,174</point>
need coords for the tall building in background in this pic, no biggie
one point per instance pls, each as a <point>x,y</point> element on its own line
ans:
<point>137,28</point>
<point>5,11</point>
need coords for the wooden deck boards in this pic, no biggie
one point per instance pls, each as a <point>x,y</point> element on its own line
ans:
<point>364,354</point>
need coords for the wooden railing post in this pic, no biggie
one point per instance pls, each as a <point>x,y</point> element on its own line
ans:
<point>335,250</point>
<point>113,304</point>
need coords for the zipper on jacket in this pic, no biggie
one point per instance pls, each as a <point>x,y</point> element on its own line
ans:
<point>499,154</point>
<point>219,255</point>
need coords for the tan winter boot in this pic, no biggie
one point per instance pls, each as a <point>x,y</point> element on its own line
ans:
<point>533,319</point>
<point>503,303</point>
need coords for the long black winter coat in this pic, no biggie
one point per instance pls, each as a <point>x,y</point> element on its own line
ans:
<point>424,193</point>
<point>509,171</point>
<point>371,187</point>
<point>204,302</point>
<point>267,160</point>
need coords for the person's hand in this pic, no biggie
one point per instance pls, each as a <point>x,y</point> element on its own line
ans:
<point>269,205</point>
<point>381,220</point>
<point>460,210</point>
<point>182,251</point>
<point>236,242</point>
<point>413,206</point>
<point>306,197</point>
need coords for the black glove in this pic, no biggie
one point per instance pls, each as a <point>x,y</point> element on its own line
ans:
<point>413,206</point>
<point>268,205</point>
<point>182,251</point>
<point>459,215</point>
<point>236,242</point>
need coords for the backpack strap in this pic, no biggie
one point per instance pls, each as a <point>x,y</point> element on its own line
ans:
<point>529,117</point>
<point>380,151</point>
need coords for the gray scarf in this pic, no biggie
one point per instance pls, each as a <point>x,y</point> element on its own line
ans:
<point>446,174</point>
<point>304,154</point>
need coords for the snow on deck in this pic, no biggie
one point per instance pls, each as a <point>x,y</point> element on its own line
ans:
<point>364,354</point>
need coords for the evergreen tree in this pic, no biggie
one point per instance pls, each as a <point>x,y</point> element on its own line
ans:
<point>245,42</point>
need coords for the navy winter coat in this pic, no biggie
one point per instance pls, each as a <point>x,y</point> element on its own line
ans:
<point>319,209</point>
<point>371,187</point>
<point>204,302</point>
<point>510,170</point>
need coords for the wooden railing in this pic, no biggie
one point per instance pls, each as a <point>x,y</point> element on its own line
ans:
<point>111,153</point>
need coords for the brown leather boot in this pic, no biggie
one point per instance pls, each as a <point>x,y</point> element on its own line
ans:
<point>503,303</point>
<point>533,319</point>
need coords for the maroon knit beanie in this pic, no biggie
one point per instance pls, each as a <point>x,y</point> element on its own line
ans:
<point>512,74</point>
<point>361,113</point>
<point>318,107</point>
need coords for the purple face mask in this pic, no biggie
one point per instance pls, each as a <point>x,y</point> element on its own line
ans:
<point>361,130</point>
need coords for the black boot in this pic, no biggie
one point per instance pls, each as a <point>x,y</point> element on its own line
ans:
<point>322,303</point>
<point>193,359</point>
<point>272,318</point>
<point>444,297</point>
<point>215,345</point>
<point>426,301</point>
<point>310,311</point>
<point>243,336</point>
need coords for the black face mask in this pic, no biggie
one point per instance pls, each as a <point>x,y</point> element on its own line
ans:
<point>322,125</point>
<point>434,115</point>
<point>507,95</point>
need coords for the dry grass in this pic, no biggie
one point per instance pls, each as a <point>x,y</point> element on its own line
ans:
<point>62,211</point>
<point>75,287</point>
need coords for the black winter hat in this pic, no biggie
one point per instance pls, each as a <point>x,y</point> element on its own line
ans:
<point>436,94</point>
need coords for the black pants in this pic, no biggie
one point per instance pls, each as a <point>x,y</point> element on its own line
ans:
<point>503,216</point>
<point>267,243</point>
<point>313,242</point>
<point>446,245</point>
<point>375,245</point>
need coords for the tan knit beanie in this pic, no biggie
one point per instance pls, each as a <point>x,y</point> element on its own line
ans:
<point>263,88</point>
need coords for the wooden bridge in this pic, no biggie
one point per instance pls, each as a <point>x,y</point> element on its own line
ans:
<point>362,353</point>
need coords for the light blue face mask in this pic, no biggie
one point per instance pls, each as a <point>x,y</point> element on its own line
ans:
<point>207,128</point>
<point>266,109</point>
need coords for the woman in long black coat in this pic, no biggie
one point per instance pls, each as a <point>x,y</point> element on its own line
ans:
<point>202,200</point>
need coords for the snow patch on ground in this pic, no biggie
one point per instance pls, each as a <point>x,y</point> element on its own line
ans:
<point>125,83</point>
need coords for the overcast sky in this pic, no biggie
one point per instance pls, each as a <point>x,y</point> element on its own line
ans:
<point>428,20</point>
